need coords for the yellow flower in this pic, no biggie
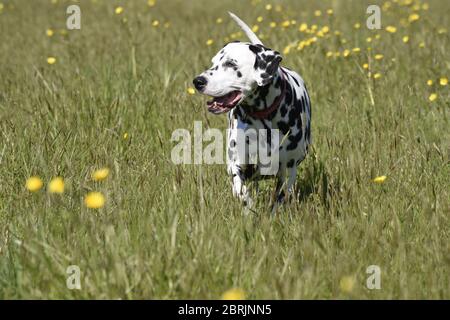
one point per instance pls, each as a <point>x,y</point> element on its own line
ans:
<point>287,49</point>
<point>405,39</point>
<point>347,283</point>
<point>329,54</point>
<point>425,6</point>
<point>430,82</point>
<point>155,23</point>
<point>330,12</point>
<point>100,174</point>
<point>125,136</point>
<point>346,53</point>
<point>369,39</point>
<point>366,66</point>
<point>49,32</point>
<point>325,29</point>
<point>377,75</point>
<point>273,24</point>
<point>285,23</point>
<point>443,81</point>
<point>51,60</point>
<point>391,29</point>
<point>268,7</point>
<point>432,97</point>
<point>94,200</point>
<point>259,19</point>
<point>378,56</point>
<point>234,294</point>
<point>317,13</point>
<point>442,30</point>
<point>191,90</point>
<point>118,10</point>
<point>356,50</point>
<point>151,3</point>
<point>219,20</point>
<point>34,184</point>
<point>377,36</point>
<point>357,25</point>
<point>209,42</point>
<point>255,28</point>
<point>380,179</point>
<point>413,17</point>
<point>303,27</point>
<point>422,45</point>
<point>56,185</point>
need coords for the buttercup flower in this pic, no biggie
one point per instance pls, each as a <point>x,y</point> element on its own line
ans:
<point>51,60</point>
<point>377,76</point>
<point>34,184</point>
<point>347,283</point>
<point>101,174</point>
<point>56,185</point>
<point>378,56</point>
<point>151,3</point>
<point>94,200</point>
<point>234,294</point>
<point>432,97</point>
<point>380,179</point>
<point>366,66</point>
<point>49,32</point>
<point>405,39</point>
<point>191,90</point>
<point>209,42</point>
<point>391,29</point>
<point>413,17</point>
<point>303,27</point>
<point>443,81</point>
<point>430,82</point>
<point>118,10</point>
<point>219,20</point>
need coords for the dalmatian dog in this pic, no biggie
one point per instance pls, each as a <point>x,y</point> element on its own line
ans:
<point>247,82</point>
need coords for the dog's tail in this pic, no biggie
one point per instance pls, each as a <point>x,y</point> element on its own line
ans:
<point>250,34</point>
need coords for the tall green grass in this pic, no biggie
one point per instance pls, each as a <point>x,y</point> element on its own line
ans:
<point>171,231</point>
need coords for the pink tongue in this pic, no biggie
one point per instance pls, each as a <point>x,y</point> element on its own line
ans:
<point>227,99</point>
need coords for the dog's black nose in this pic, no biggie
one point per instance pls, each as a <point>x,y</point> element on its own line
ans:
<point>200,83</point>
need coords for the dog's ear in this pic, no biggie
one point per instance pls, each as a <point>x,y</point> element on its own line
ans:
<point>266,64</point>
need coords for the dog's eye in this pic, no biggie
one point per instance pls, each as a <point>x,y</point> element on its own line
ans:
<point>229,64</point>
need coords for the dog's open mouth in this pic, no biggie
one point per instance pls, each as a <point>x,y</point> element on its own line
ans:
<point>224,103</point>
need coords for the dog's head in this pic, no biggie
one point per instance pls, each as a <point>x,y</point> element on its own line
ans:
<point>237,70</point>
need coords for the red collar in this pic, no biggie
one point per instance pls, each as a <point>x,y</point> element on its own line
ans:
<point>263,114</point>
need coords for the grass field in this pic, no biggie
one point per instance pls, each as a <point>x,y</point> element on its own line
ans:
<point>118,88</point>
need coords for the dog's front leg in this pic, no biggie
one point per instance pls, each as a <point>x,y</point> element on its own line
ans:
<point>239,186</point>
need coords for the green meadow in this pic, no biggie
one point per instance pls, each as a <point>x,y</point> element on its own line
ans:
<point>110,94</point>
